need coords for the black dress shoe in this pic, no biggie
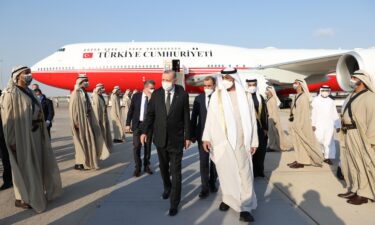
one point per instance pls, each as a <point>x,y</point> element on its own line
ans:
<point>148,170</point>
<point>79,167</point>
<point>6,186</point>
<point>357,200</point>
<point>347,195</point>
<point>213,188</point>
<point>165,194</point>
<point>204,194</point>
<point>290,164</point>
<point>117,141</point>
<point>297,166</point>
<point>173,212</point>
<point>223,207</point>
<point>246,217</point>
<point>137,173</point>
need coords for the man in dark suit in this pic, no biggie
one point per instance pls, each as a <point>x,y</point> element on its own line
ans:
<point>48,110</point>
<point>198,120</point>
<point>168,115</point>
<point>7,173</point>
<point>136,116</point>
<point>262,124</point>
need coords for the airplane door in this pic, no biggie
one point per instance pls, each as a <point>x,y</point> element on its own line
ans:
<point>180,74</point>
<point>174,65</point>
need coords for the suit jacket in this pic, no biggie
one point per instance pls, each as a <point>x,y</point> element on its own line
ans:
<point>174,127</point>
<point>198,117</point>
<point>48,110</point>
<point>134,111</point>
<point>263,116</point>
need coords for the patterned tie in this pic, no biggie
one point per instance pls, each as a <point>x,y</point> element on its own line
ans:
<point>168,102</point>
<point>145,108</point>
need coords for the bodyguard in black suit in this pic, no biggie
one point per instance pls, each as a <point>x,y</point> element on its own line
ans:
<point>168,115</point>
<point>136,116</point>
<point>198,120</point>
<point>7,173</point>
<point>48,110</point>
<point>262,124</point>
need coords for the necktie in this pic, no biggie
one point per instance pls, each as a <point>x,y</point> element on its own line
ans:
<point>145,108</point>
<point>209,99</point>
<point>168,102</point>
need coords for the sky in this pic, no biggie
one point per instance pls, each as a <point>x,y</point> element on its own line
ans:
<point>30,30</point>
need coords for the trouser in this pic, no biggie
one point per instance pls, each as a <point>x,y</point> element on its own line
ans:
<point>7,173</point>
<point>207,168</point>
<point>49,131</point>
<point>170,165</point>
<point>138,147</point>
<point>260,154</point>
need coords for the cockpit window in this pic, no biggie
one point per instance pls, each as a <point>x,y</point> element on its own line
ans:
<point>61,50</point>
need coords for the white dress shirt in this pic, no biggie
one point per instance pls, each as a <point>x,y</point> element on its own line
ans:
<point>141,114</point>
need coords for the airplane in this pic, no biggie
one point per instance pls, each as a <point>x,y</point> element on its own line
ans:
<point>129,64</point>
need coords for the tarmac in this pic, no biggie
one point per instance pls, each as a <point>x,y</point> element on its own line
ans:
<point>111,195</point>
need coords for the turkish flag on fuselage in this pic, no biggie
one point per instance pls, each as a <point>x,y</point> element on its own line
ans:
<point>88,55</point>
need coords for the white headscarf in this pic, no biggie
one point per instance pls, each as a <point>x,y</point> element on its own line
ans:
<point>305,88</point>
<point>115,89</point>
<point>243,105</point>
<point>273,92</point>
<point>98,87</point>
<point>16,71</point>
<point>81,77</point>
<point>252,80</point>
<point>365,78</point>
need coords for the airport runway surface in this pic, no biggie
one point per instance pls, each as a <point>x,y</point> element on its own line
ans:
<point>112,196</point>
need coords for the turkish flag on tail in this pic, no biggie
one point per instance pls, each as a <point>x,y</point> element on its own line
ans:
<point>87,55</point>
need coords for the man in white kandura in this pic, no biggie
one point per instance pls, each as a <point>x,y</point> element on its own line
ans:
<point>118,124</point>
<point>324,121</point>
<point>230,135</point>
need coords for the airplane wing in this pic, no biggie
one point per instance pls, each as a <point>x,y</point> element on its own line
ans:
<point>312,70</point>
<point>307,67</point>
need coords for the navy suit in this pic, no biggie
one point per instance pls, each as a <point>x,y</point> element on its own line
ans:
<point>198,121</point>
<point>133,119</point>
<point>48,111</point>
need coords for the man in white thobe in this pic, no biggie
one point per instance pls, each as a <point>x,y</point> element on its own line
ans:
<point>325,120</point>
<point>230,135</point>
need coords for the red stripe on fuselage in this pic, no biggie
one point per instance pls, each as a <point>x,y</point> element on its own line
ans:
<point>134,78</point>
